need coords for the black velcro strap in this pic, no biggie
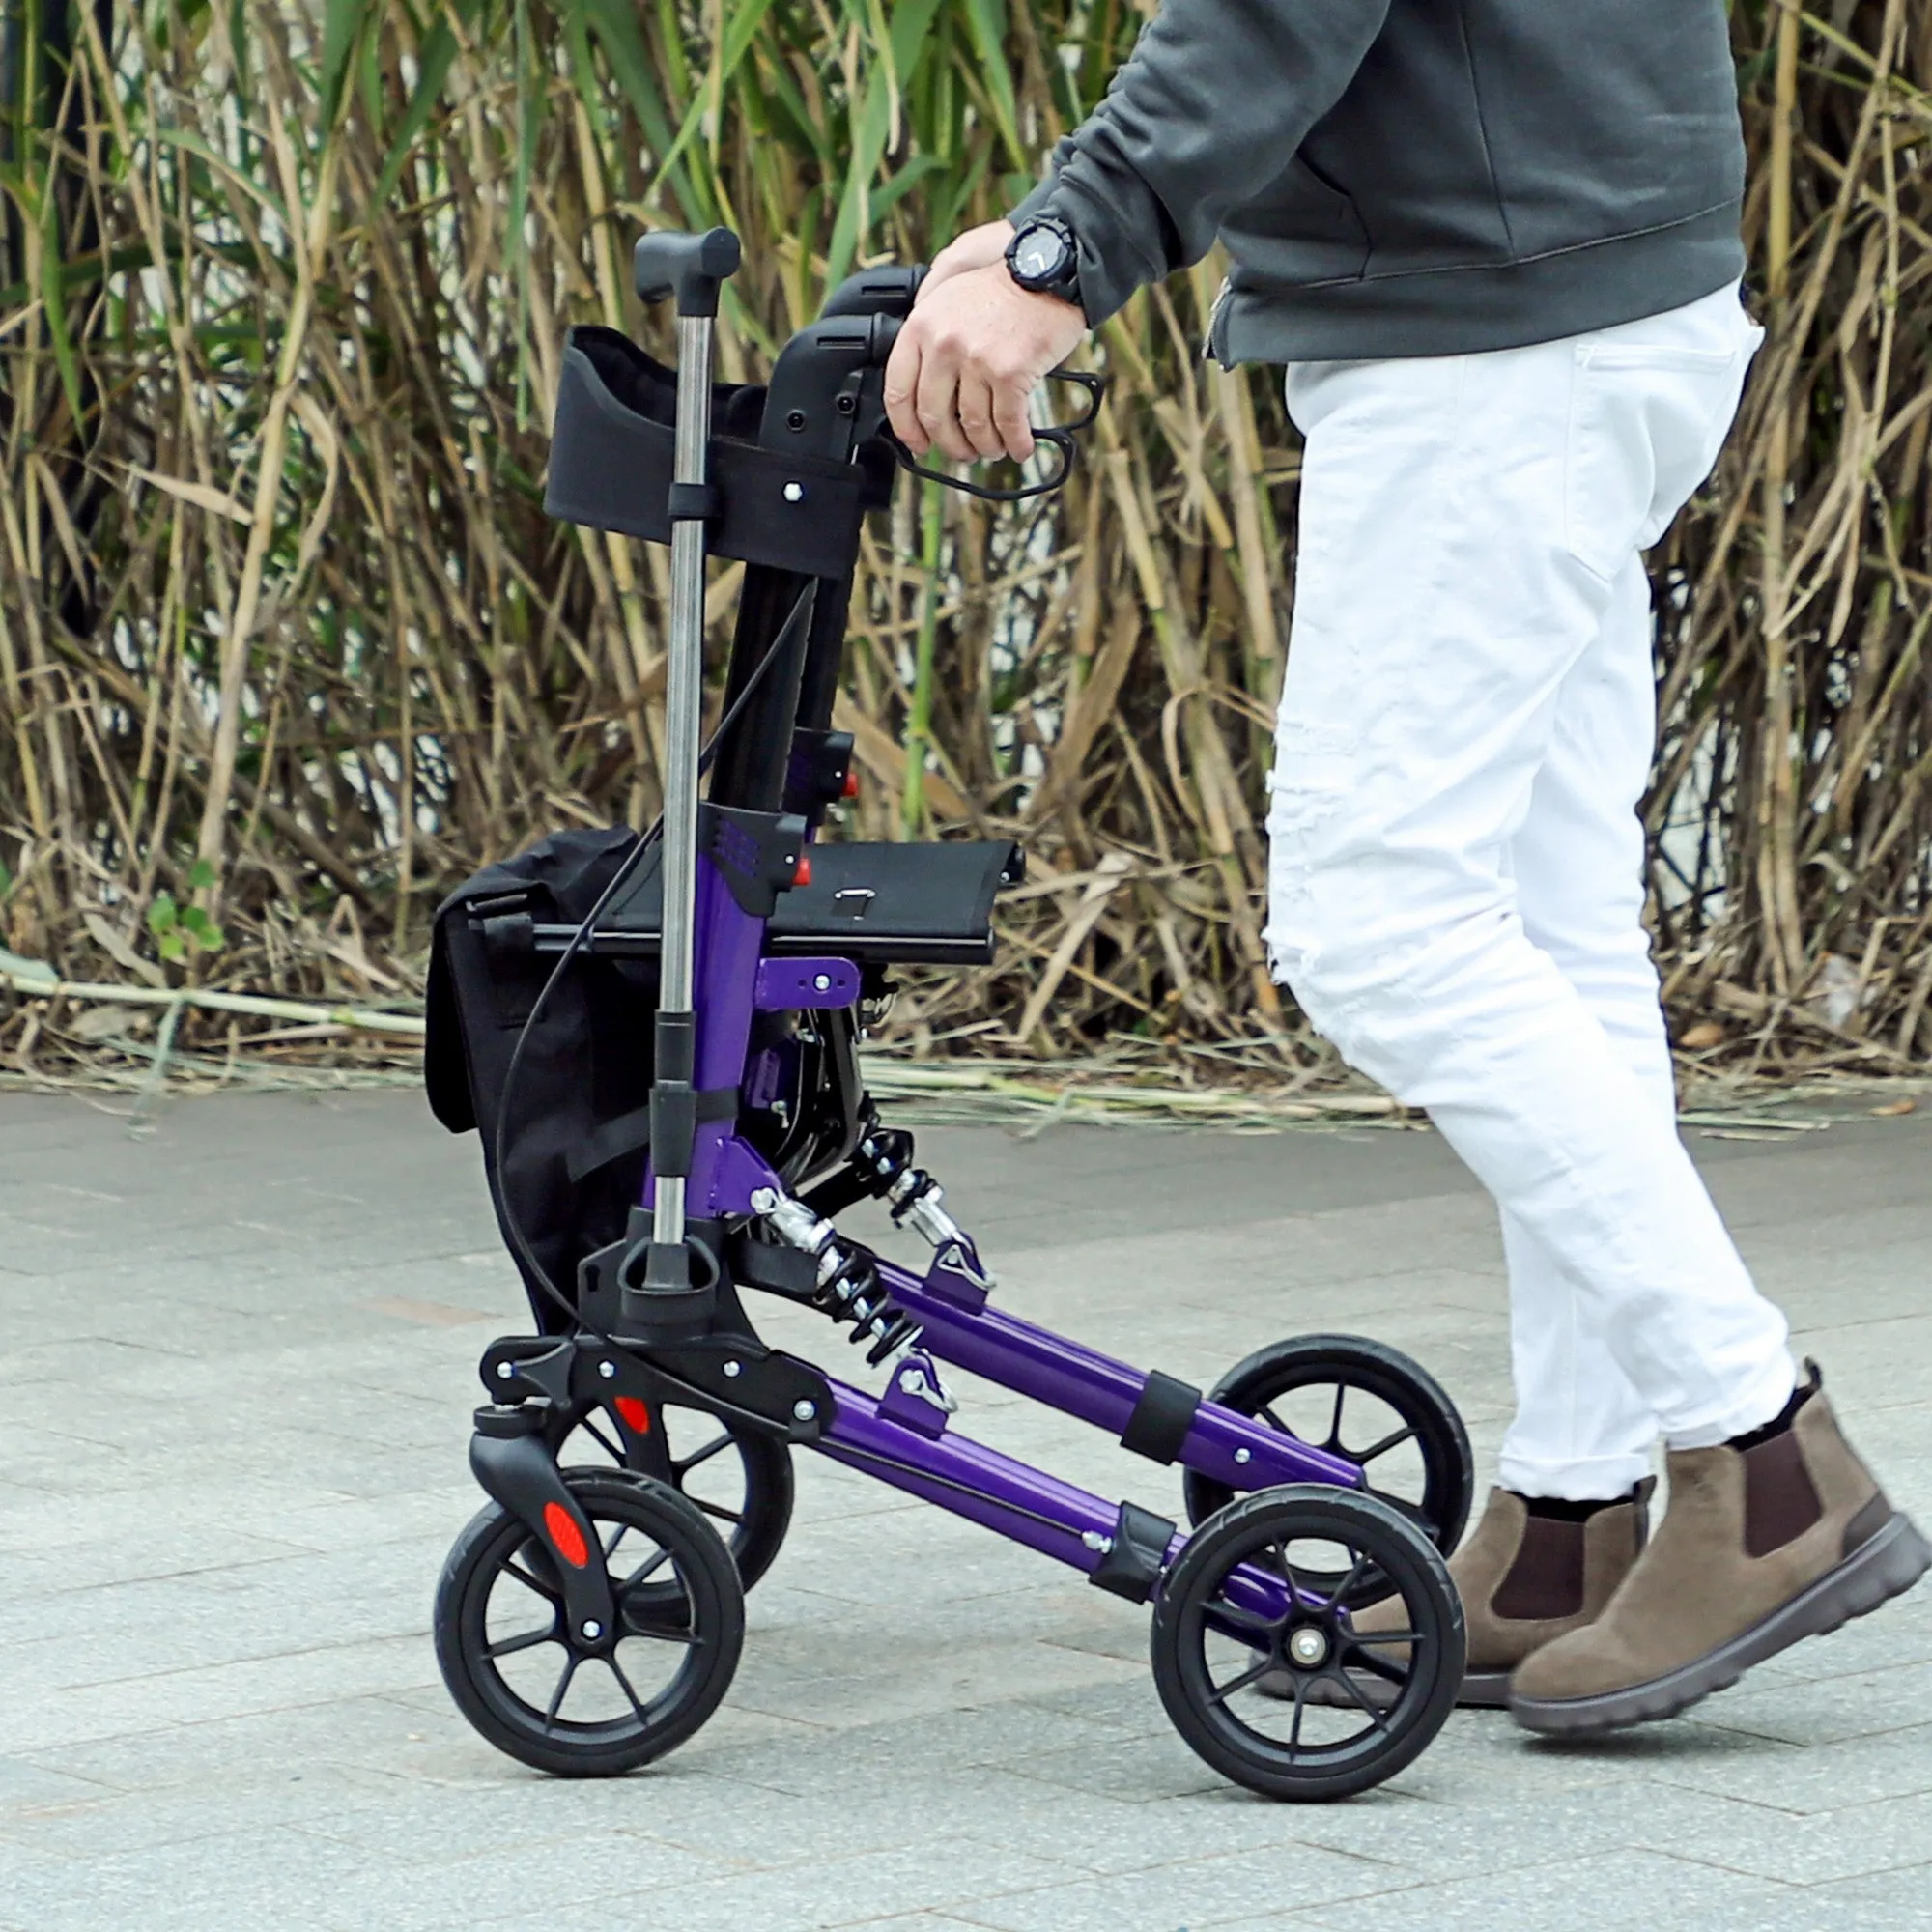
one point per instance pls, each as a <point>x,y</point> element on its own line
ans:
<point>763,1264</point>
<point>1161,1418</point>
<point>628,1133</point>
<point>717,1103</point>
<point>692,503</point>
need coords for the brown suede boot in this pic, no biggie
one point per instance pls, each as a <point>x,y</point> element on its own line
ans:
<point>1779,1535</point>
<point>1525,1578</point>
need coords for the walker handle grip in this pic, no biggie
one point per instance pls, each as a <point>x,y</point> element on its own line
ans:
<point>692,267</point>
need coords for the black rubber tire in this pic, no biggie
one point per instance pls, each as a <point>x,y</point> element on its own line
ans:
<point>1353,1361</point>
<point>1199,1709</point>
<point>764,1514</point>
<point>708,1599</point>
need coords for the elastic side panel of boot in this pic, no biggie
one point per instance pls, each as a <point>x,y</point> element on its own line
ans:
<point>1781,1499</point>
<point>1545,1581</point>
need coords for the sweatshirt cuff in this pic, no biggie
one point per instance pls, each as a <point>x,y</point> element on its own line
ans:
<point>1110,267</point>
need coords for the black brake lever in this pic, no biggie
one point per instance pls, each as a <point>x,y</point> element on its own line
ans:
<point>1057,436</point>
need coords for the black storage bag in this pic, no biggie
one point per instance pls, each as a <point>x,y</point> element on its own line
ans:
<point>577,1135</point>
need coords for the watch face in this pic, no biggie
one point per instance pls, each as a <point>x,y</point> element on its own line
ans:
<point>1040,254</point>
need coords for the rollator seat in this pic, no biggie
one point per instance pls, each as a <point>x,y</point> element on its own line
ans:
<point>874,904</point>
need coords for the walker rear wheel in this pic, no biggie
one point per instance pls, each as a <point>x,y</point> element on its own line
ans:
<point>1372,1406</point>
<point>1233,1611</point>
<point>534,1687</point>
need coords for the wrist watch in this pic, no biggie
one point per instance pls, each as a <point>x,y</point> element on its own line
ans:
<point>1042,259</point>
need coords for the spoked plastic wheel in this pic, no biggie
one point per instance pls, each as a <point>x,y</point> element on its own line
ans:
<point>539,1691</point>
<point>1370,1405</point>
<point>1231,1611</point>
<point>741,1480</point>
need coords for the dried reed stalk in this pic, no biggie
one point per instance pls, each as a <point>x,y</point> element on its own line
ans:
<point>287,645</point>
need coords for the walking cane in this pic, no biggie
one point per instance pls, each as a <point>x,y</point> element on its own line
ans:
<point>692,267</point>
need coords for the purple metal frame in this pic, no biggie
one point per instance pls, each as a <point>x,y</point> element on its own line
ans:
<point>919,1456</point>
<point>1024,1504</point>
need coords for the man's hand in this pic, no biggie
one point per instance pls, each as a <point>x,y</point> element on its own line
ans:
<point>977,248</point>
<point>968,358</point>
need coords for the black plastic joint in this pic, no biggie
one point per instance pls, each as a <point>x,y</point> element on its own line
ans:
<point>507,1420</point>
<point>666,1267</point>
<point>816,771</point>
<point>674,1044</point>
<point>1132,1567</point>
<point>692,267</point>
<point>1162,1418</point>
<point>673,1103</point>
<point>659,1303</point>
<point>693,503</point>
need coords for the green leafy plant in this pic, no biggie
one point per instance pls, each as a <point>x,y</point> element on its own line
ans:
<point>179,931</point>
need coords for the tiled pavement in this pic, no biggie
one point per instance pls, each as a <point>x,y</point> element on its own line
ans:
<point>237,1368</point>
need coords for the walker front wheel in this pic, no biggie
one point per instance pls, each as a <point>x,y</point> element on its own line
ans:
<point>1233,1611</point>
<point>534,1687</point>
<point>742,1480</point>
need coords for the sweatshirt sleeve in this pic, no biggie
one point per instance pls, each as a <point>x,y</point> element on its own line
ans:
<point>1212,105</point>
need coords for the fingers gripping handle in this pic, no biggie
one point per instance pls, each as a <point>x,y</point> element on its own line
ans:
<point>692,267</point>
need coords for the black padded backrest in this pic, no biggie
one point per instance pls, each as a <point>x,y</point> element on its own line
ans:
<point>610,465</point>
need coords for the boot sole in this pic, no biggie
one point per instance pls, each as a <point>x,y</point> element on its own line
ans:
<point>1877,1571</point>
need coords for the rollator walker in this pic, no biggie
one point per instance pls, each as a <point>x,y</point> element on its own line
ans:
<point>656,1035</point>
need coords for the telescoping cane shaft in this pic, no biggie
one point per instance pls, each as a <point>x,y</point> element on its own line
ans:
<point>694,268</point>
<point>684,692</point>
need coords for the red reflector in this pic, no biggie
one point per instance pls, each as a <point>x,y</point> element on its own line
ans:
<point>566,1536</point>
<point>851,784</point>
<point>803,876</point>
<point>636,1416</point>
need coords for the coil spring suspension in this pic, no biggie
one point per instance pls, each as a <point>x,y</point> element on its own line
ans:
<point>849,1288</point>
<point>883,1161</point>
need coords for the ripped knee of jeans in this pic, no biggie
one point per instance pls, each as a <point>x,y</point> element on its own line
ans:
<point>1302,821</point>
<point>1352,928</point>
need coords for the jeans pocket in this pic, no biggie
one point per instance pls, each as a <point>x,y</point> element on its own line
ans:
<point>1647,421</point>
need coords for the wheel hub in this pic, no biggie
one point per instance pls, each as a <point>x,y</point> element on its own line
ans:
<point>1308,1647</point>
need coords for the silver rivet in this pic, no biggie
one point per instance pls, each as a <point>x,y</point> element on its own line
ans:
<point>607,1370</point>
<point>803,1411</point>
<point>1094,1540</point>
<point>592,1628</point>
<point>821,982</point>
<point>794,493</point>
<point>505,1370</point>
<point>734,1368</point>
<point>1242,1456</point>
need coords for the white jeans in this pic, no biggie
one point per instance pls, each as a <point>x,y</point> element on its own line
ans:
<point>1456,862</point>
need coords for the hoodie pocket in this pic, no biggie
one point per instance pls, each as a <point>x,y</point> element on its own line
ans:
<point>1312,234</point>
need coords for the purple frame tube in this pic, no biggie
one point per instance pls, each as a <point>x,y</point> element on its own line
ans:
<point>727,944</point>
<point>1091,1387</point>
<point>1006,1494</point>
<point>1002,1494</point>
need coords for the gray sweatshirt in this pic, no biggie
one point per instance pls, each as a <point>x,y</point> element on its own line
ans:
<point>1413,177</point>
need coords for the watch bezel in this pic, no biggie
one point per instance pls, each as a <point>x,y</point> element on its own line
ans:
<point>1060,280</point>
